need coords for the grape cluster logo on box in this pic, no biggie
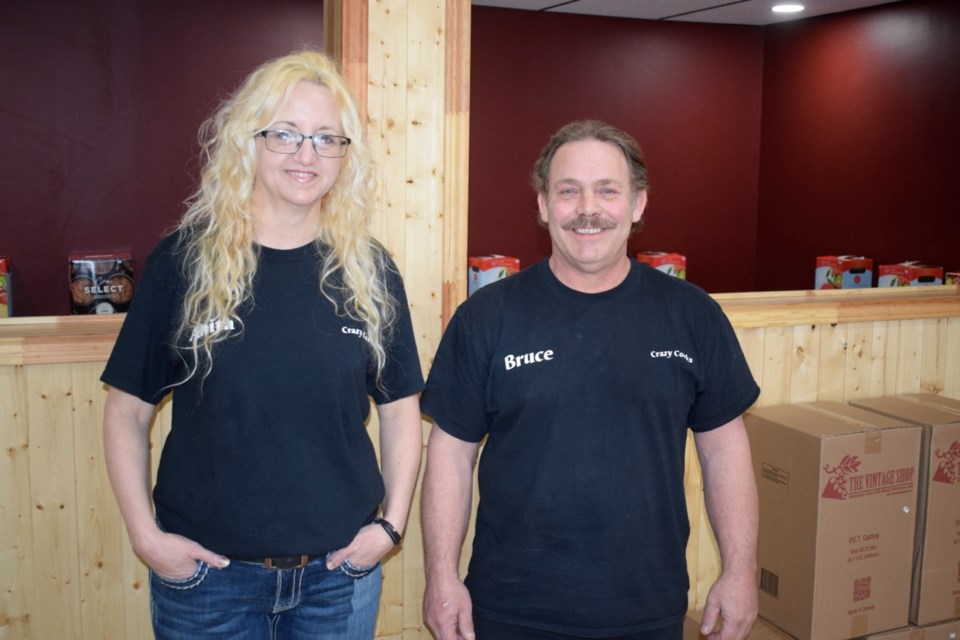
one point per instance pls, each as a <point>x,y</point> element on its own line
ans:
<point>837,485</point>
<point>948,470</point>
<point>845,483</point>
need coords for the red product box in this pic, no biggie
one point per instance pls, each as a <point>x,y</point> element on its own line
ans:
<point>843,272</point>
<point>909,274</point>
<point>673,264</point>
<point>482,270</point>
<point>6,306</point>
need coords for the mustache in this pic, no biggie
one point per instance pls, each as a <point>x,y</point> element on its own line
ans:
<point>584,221</point>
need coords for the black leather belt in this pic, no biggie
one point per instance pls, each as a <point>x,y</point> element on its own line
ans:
<point>280,562</point>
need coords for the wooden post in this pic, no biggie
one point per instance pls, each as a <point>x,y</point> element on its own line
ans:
<point>407,62</point>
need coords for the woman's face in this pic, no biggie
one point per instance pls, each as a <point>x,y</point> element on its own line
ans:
<point>296,182</point>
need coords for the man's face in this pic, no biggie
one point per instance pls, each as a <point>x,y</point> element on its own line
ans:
<point>589,209</point>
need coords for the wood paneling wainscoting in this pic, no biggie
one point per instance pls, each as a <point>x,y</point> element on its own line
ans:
<point>66,568</point>
<point>838,345</point>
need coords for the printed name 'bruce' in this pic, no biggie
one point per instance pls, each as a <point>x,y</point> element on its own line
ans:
<point>509,362</point>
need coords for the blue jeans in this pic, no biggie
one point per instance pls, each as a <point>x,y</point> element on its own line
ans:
<point>248,601</point>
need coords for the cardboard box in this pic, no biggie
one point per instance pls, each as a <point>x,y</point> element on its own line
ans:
<point>936,571</point>
<point>943,631</point>
<point>909,274</point>
<point>673,264</point>
<point>838,490</point>
<point>859,414</point>
<point>951,404</point>
<point>762,629</point>
<point>6,299</point>
<point>482,270</point>
<point>843,272</point>
<point>101,283</point>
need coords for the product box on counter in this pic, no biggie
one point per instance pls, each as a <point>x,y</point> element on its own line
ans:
<point>762,629</point>
<point>838,491</point>
<point>673,264</point>
<point>941,631</point>
<point>101,283</point>
<point>909,274</point>
<point>6,297</point>
<point>936,571</point>
<point>843,272</point>
<point>951,277</point>
<point>482,270</point>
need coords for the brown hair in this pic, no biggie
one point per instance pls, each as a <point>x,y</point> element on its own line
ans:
<point>593,130</point>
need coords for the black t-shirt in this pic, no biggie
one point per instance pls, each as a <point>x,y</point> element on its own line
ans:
<point>269,454</point>
<point>585,400</point>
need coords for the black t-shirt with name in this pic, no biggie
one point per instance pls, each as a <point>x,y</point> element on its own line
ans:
<point>269,454</point>
<point>585,401</point>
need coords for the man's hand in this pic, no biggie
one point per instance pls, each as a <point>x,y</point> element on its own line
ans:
<point>448,610</point>
<point>731,608</point>
<point>730,491</point>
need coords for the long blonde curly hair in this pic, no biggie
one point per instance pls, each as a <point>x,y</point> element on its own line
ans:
<point>220,256</point>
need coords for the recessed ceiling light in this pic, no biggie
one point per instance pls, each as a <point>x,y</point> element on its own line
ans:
<point>787,8</point>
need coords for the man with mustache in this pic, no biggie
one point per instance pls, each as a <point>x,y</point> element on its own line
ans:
<point>582,374</point>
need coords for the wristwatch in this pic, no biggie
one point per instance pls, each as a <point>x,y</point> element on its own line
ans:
<point>390,529</point>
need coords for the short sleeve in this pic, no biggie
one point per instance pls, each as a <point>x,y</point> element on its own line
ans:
<point>143,362</point>
<point>726,388</point>
<point>402,375</point>
<point>456,387</point>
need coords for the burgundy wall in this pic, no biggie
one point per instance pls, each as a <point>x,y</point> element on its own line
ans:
<point>855,151</point>
<point>860,141</point>
<point>99,112</point>
<point>689,93</point>
<point>854,148</point>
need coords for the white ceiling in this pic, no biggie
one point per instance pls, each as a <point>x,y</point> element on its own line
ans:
<point>752,12</point>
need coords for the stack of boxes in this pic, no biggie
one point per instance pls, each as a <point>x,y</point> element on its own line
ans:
<point>936,571</point>
<point>838,492</point>
<point>859,519</point>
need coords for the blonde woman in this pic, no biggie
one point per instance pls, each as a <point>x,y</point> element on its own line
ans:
<point>272,316</point>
